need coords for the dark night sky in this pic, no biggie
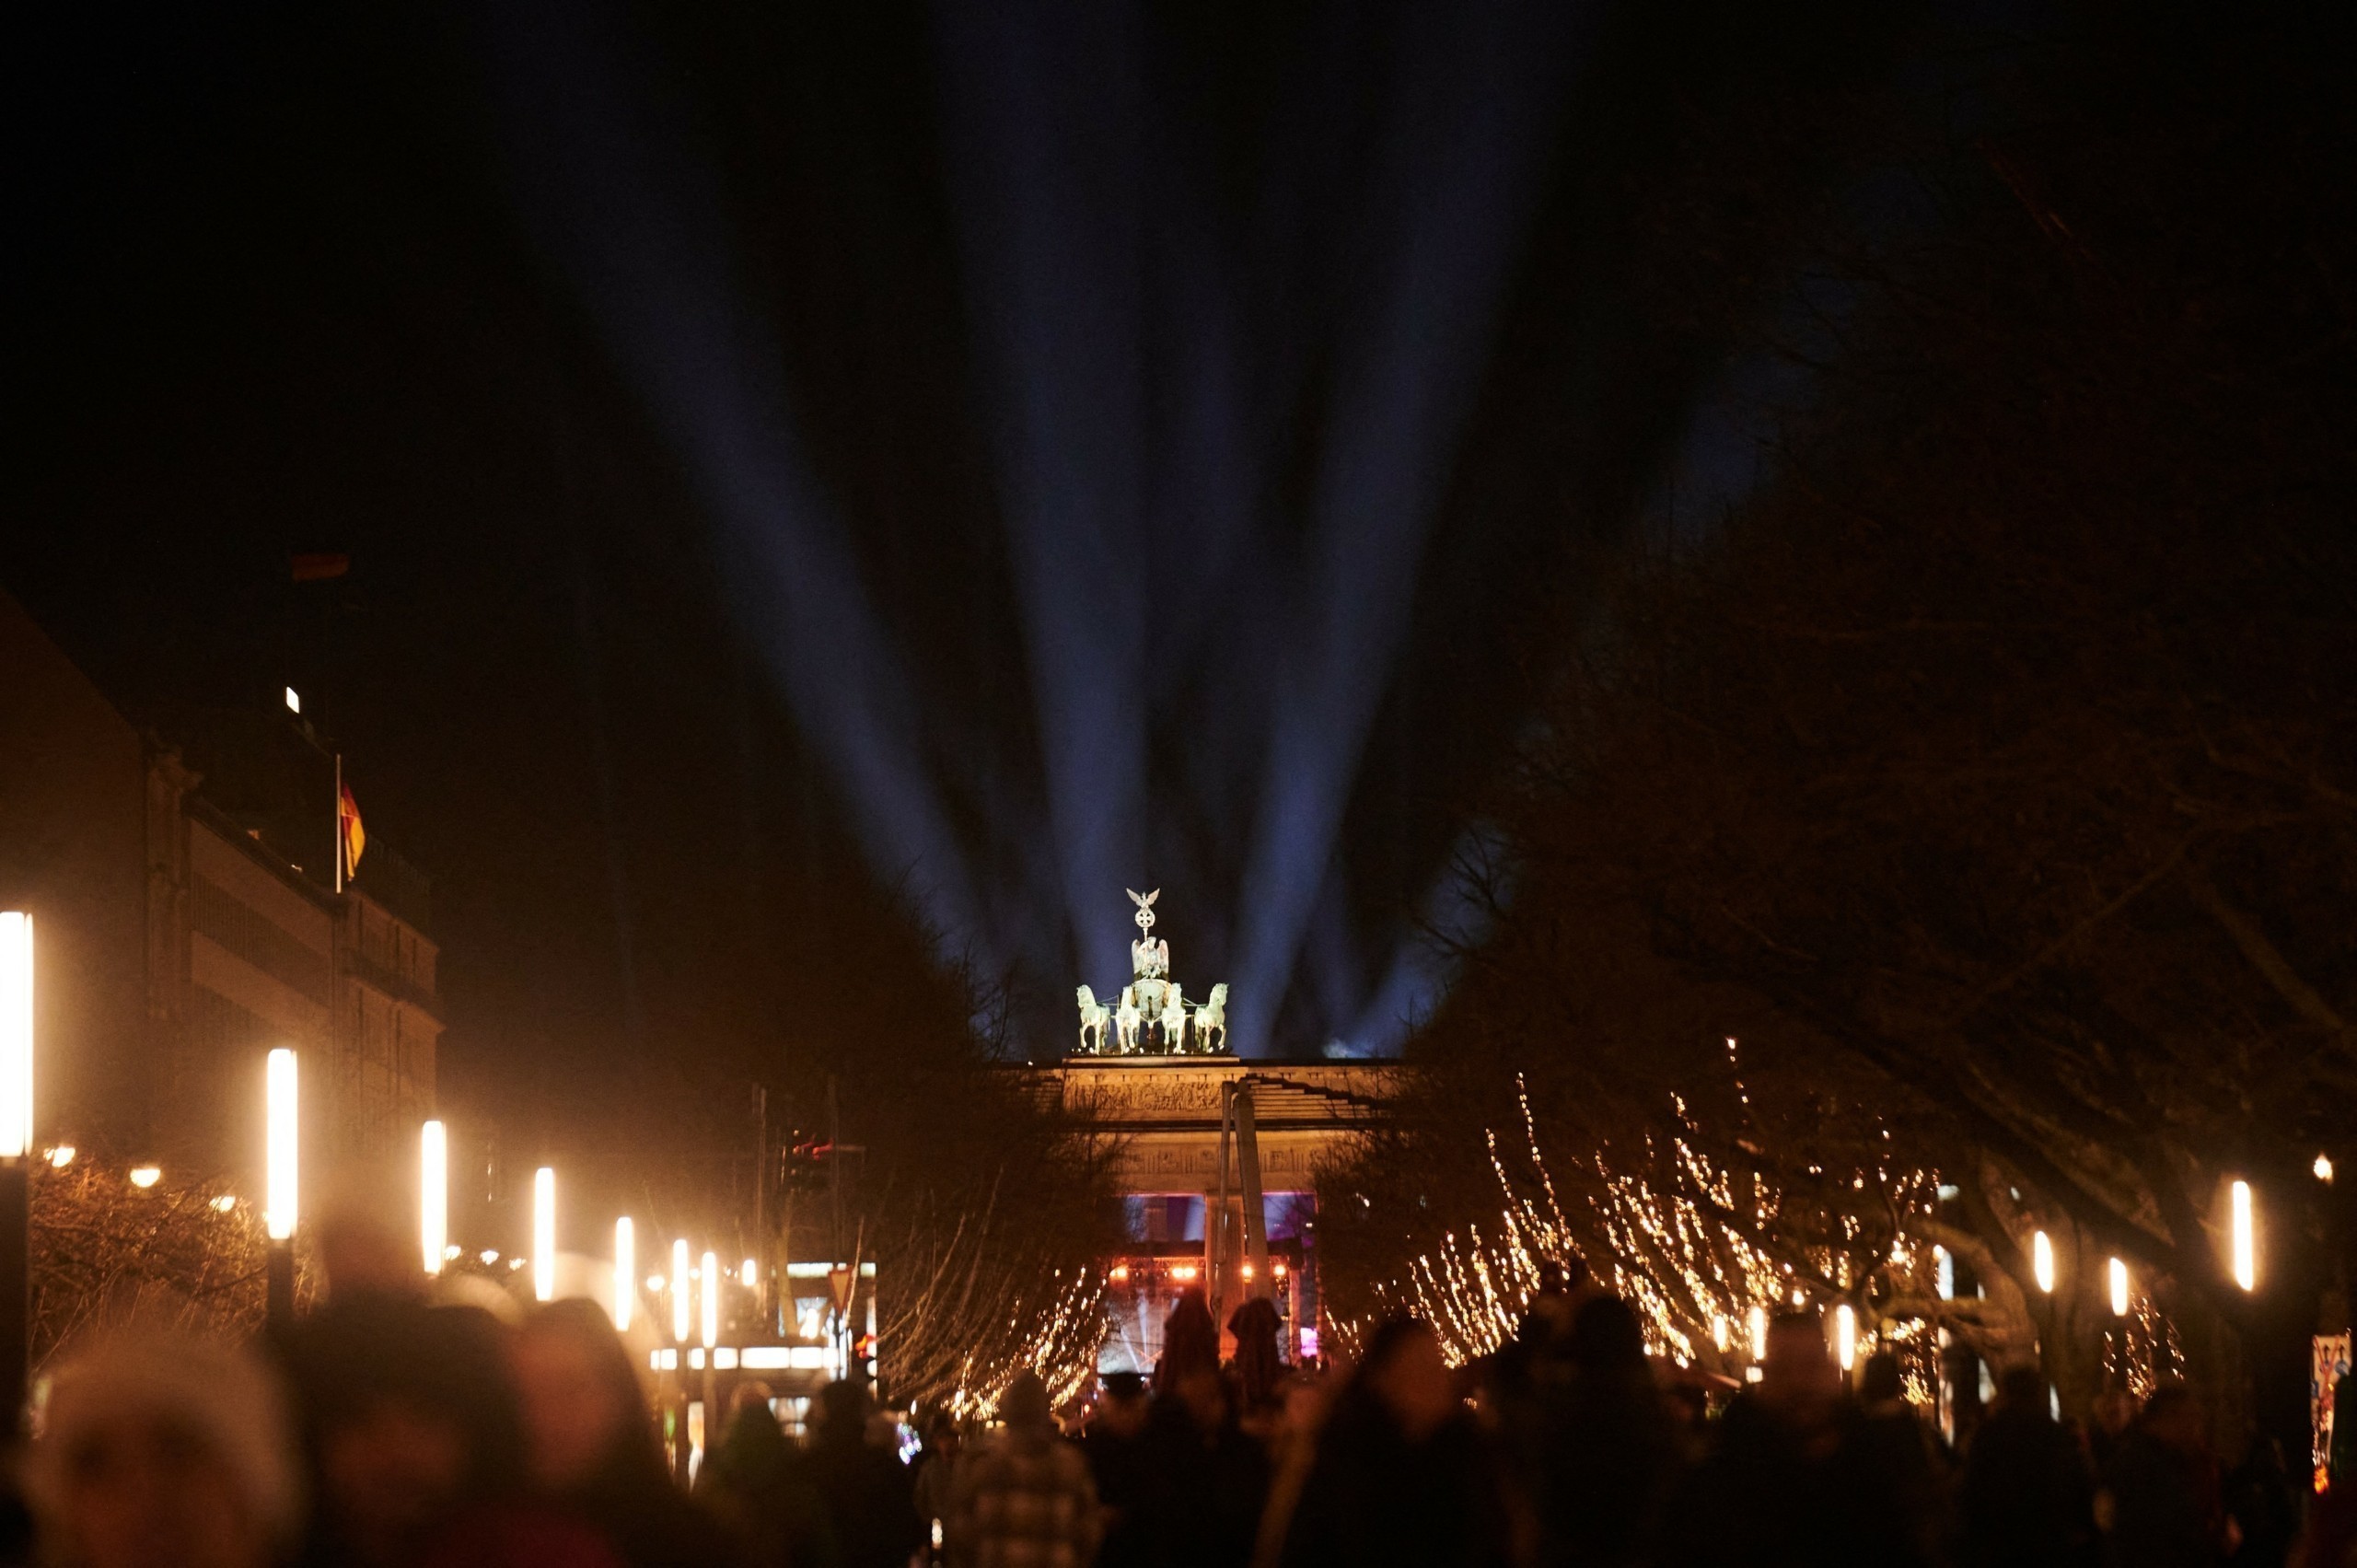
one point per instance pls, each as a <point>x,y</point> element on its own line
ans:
<point>806,470</point>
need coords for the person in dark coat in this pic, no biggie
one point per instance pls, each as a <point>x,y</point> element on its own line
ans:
<point>1607,1456</point>
<point>1791,1476</point>
<point>869,1496</point>
<point>2264,1506</point>
<point>932,1478</point>
<point>1115,1448</point>
<point>755,1483</point>
<point>592,1446</point>
<point>2168,1512</point>
<point>1401,1473</point>
<point>1203,1479</point>
<point>1257,1372</point>
<point>2028,1498</point>
<point>1905,1448</point>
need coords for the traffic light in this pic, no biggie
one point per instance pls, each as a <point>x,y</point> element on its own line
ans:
<point>802,1164</point>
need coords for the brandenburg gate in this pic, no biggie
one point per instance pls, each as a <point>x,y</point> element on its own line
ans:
<point>1214,1156</point>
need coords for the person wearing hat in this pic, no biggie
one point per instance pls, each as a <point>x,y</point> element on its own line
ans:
<point>159,1451</point>
<point>1024,1498</point>
<point>1117,1462</point>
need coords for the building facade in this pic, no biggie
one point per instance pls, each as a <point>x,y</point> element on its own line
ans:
<point>181,939</point>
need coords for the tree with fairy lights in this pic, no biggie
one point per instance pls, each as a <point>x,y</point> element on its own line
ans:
<point>1980,774</point>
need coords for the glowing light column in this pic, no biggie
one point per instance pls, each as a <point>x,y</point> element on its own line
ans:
<point>711,1278</point>
<point>2246,1238</point>
<point>282,1104</point>
<point>16,1035</point>
<point>711,1281</point>
<point>545,1234</point>
<point>16,1158</point>
<point>433,1194</point>
<point>683,1312</point>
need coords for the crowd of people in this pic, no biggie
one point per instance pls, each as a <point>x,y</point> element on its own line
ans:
<point>383,1430</point>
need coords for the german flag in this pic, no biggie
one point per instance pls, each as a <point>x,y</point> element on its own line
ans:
<point>350,835</point>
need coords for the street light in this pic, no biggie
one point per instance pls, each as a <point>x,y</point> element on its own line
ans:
<point>433,1194</point>
<point>2118,1288</point>
<point>16,1161</point>
<point>2041,1261</point>
<point>1759,1326</point>
<point>282,1103</point>
<point>711,1278</point>
<point>625,1272</point>
<point>16,1035</point>
<point>682,1305</point>
<point>1845,1336</point>
<point>2245,1243</point>
<point>545,1234</point>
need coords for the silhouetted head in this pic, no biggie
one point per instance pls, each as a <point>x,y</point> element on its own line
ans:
<point>1797,1365</point>
<point>1406,1373</point>
<point>410,1414</point>
<point>161,1449</point>
<point>584,1407</point>
<point>2022,1388</point>
<point>1121,1405</point>
<point>843,1409</point>
<point>2173,1416</point>
<point>1255,1326</point>
<point>1880,1382</point>
<point>1190,1342</point>
<point>1606,1336</point>
<point>1025,1404</point>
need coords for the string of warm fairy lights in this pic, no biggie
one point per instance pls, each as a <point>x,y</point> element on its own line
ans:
<point>1057,1341</point>
<point>1693,1246</point>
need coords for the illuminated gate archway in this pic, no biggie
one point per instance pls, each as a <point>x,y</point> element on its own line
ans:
<point>1167,1114</point>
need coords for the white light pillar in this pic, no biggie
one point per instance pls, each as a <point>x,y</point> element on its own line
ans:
<point>2246,1238</point>
<point>16,1035</point>
<point>15,1163</point>
<point>710,1279</point>
<point>545,1234</point>
<point>433,1194</point>
<point>282,1109</point>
